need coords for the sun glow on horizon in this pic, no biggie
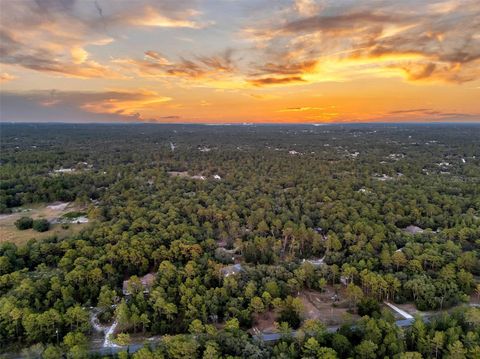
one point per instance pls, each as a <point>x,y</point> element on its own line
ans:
<point>331,61</point>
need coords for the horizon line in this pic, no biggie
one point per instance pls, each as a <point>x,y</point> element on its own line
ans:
<point>245,123</point>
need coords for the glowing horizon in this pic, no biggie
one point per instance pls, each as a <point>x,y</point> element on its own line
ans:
<point>233,61</point>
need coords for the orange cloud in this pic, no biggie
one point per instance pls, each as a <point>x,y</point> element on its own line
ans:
<point>4,77</point>
<point>444,41</point>
<point>126,103</point>
<point>301,109</point>
<point>151,17</point>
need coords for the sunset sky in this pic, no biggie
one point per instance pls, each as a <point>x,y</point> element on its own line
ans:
<point>239,61</point>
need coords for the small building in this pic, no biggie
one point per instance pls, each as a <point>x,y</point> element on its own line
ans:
<point>316,262</point>
<point>146,282</point>
<point>64,170</point>
<point>231,270</point>
<point>413,229</point>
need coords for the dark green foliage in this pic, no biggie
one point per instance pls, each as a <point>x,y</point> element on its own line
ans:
<point>368,306</point>
<point>288,315</point>
<point>41,225</point>
<point>24,223</point>
<point>74,214</point>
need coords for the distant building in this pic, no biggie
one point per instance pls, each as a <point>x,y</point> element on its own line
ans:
<point>231,270</point>
<point>64,170</point>
<point>316,262</point>
<point>146,281</point>
<point>413,229</point>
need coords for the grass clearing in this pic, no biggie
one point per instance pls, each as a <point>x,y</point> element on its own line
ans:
<point>50,212</point>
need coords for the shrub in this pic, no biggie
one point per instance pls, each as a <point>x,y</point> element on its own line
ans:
<point>74,214</point>
<point>24,223</point>
<point>368,306</point>
<point>41,225</point>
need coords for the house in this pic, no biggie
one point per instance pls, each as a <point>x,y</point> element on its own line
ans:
<point>64,170</point>
<point>413,229</point>
<point>231,270</point>
<point>317,262</point>
<point>146,282</point>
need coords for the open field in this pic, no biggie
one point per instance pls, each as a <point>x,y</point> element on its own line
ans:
<point>9,233</point>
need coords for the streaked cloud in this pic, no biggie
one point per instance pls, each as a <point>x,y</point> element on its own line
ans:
<point>301,109</point>
<point>431,115</point>
<point>112,105</point>
<point>156,66</point>
<point>276,80</point>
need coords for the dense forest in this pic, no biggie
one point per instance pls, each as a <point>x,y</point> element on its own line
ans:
<point>198,232</point>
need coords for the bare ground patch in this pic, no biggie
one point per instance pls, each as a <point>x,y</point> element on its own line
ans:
<point>321,306</point>
<point>265,322</point>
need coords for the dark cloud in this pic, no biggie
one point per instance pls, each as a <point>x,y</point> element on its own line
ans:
<point>428,114</point>
<point>223,62</point>
<point>99,9</point>
<point>337,22</point>
<point>276,80</point>
<point>287,68</point>
<point>171,117</point>
<point>425,71</point>
<point>415,110</point>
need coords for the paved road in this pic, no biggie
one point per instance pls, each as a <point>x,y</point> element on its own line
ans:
<point>271,337</point>
<point>399,311</point>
